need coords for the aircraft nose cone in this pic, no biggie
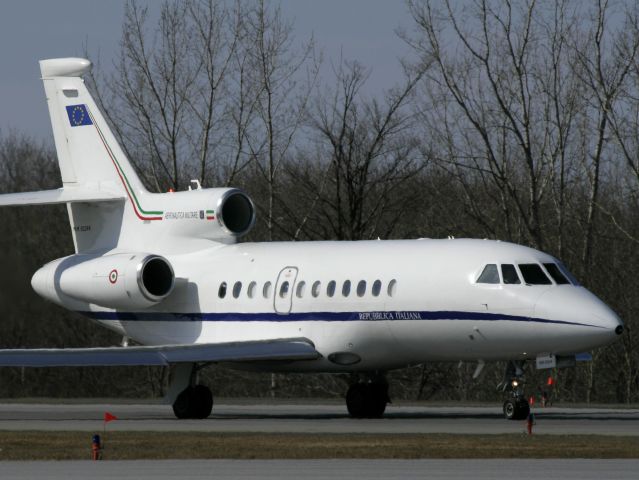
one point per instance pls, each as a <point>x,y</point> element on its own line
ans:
<point>595,323</point>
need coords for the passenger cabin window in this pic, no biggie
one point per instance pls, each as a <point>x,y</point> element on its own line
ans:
<point>346,288</point>
<point>237,289</point>
<point>299,291</point>
<point>556,274</point>
<point>533,274</point>
<point>284,290</point>
<point>392,288</point>
<point>489,275</point>
<point>250,291</point>
<point>509,274</point>
<point>361,288</point>
<point>222,290</point>
<point>377,288</point>
<point>330,288</point>
<point>266,291</point>
<point>315,291</point>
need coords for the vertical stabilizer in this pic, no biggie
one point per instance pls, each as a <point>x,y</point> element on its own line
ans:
<point>89,156</point>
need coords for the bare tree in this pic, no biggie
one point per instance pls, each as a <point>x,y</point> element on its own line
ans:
<point>495,106</point>
<point>283,78</point>
<point>366,151</point>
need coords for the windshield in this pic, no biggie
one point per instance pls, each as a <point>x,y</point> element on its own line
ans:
<point>555,273</point>
<point>533,274</point>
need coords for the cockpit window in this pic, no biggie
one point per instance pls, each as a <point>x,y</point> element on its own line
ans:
<point>509,274</point>
<point>566,272</point>
<point>489,275</point>
<point>556,274</point>
<point>533,274</point>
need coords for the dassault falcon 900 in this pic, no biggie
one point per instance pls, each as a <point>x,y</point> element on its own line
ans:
<point>165,270</point>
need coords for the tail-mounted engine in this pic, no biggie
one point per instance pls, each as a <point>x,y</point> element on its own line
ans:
<point>121,281</point>
<point>221,214</point>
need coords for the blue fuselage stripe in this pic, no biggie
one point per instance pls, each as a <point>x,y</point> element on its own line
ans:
<point>318,316</point>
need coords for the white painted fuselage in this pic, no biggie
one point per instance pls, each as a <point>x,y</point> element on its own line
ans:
<point>429,306</point>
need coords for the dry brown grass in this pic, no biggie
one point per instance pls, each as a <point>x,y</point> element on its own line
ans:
<point>174,445</point>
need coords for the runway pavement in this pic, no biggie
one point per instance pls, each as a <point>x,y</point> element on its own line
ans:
<point>324,469</point>
<point>317,418</point>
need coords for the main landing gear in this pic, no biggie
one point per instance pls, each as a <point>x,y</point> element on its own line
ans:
<point>367,399</point>
<point>516,407</point>
<point>195,401</point>
<point>189,399</point>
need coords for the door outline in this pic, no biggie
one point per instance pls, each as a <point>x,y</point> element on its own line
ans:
<point>282,306</point>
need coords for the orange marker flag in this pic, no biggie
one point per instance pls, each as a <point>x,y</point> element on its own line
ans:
<point>550,381</point>
<point>108,417</point>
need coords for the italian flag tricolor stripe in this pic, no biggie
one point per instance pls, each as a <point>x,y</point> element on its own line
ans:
<point>139,211</point>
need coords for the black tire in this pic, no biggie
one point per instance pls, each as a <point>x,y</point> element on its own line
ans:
<point>367,400</point>
<point>193,402</point>
<point>377,399</point>
<point>356,400</point>
<point>203,401</point>
<point>183,405</point>
<point>510,409</point>
<point>523,409</point>
<point>516,409</point>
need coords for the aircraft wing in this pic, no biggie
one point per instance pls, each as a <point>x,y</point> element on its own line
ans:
<point>59,195</point>
<point>266,350</point>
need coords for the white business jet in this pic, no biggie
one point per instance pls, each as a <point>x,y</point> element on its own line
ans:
<point>166,271</point>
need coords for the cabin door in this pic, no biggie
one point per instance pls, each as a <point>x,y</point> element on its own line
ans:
<point>283,300</point>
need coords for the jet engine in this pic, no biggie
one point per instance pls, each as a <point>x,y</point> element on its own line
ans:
<point>122,281</point>
<point>220,214</point>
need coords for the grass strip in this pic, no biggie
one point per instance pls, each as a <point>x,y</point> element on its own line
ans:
<point>36,445</point>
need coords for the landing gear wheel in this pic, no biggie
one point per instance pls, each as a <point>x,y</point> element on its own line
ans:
<point>516,409</point>
<point>194,402</point>
<point>367,400</point>
<point>356,400</point>
<point>203,401</point>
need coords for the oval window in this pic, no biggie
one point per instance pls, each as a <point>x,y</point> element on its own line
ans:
<point>266,291</point>
<point>361,288</point>
<point>299,291</point>
<point>315,291</point>
<point>392,288</point>
<point>377,288</point>
<point>346,288</point>
<point>250,291</point>
<point>284,290</point>
<point>221,292</point>
<point>330,288</point>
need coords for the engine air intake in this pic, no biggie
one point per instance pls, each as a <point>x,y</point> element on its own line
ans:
<point>237,213</point>
<point>156,278</point>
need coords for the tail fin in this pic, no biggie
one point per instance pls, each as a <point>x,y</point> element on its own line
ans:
<point>87,150</point>
<point>89,157</point>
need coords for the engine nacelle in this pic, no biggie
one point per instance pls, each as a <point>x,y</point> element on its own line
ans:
<point>122,281</point>
<point>221,214</point>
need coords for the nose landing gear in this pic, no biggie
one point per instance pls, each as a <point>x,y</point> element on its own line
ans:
<point>516,407</point>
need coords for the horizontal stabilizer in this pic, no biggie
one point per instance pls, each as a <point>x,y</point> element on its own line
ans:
<point>267,350</point>
<point>59,195</point>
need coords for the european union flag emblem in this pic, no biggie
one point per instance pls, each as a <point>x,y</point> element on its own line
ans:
<point>78,115</point>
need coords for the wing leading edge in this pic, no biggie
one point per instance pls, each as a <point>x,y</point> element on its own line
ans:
<point>60,195</point>
<point>287,349</point>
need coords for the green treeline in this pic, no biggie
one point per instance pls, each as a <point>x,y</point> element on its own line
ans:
<point>516,122</point>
